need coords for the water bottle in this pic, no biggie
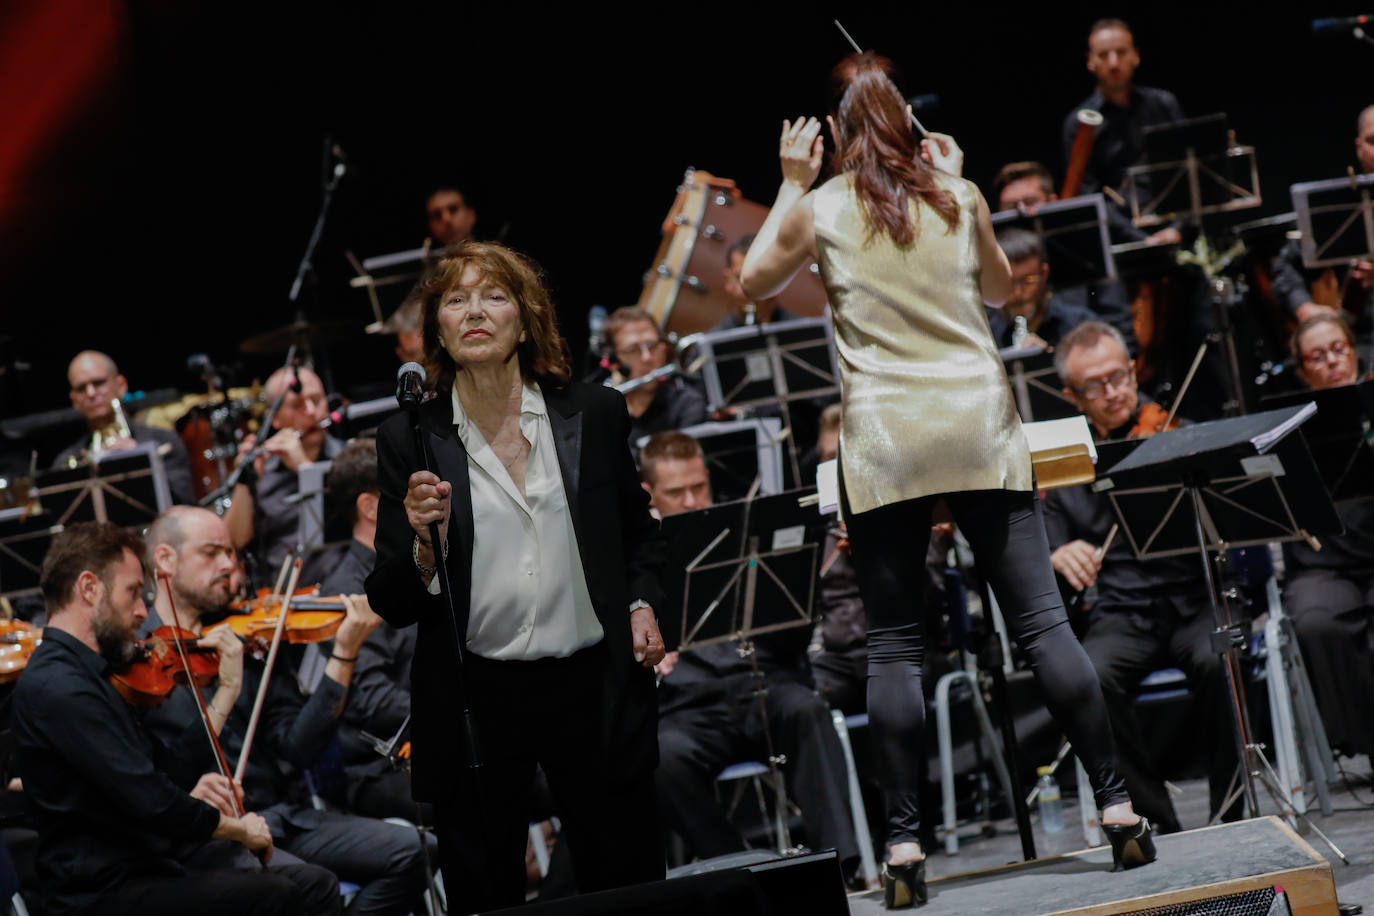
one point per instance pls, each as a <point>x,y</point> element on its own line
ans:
<point>1051,807</point>
<point>1019,331</point>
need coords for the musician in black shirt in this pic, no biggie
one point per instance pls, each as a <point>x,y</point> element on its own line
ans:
<point>1149,614</point>
<point>192,547</point>
<point>710,718</point>
<point>115,819</point>
<point>636,348</point>
<point>1126,109</point>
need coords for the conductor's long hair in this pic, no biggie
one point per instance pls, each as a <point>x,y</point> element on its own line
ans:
<point>874,141</point>
<point>543,355</point>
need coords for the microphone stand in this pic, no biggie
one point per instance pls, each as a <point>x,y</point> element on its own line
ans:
<point>409,396</point>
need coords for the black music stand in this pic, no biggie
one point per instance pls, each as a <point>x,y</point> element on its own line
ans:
<point>748,568</point>
<point>1193,168</point>
<point>771,366</point>
<point>1336,218</point>
<point>738,453</point>
<point>1204,489</point>
<point>1339,436</point>
<point>1038,391</point>
<point>1077,246</point>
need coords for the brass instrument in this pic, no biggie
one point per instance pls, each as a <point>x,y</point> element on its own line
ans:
<point>107,435</point>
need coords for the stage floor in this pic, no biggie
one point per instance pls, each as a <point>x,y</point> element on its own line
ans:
<point>1192,858</point>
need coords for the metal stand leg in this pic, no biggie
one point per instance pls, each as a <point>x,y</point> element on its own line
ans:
<point>948,830</point>
<point>862,835</point>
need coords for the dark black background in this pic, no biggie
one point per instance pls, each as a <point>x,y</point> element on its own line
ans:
<point>169,220</point>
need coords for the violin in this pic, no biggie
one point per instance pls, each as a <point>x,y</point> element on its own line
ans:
<point>1153,419</point>
<point>312,617</point>
<point>17,642</point>
<point>157,669</point>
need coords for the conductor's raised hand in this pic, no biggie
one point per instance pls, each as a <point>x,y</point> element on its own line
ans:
<point>801,150</point>
<point>941,151</point>
<point>427,500</point>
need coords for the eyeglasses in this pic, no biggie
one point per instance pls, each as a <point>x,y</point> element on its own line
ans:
<point>1096,389</point>
<point>1313,358</point>
<point>646,347</point>
<point>80,387</point>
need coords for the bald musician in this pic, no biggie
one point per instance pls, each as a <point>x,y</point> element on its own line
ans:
<point>121,816</point>
<point>191,546</point>
<point>1329,594</point>
<point>263,513</point>
<point>1149,614</point>
<point>94,381</point>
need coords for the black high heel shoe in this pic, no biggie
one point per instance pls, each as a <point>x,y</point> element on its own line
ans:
<point>1132,845</point>
<point>904,885</point>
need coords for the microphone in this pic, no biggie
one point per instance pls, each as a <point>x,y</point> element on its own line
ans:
<point>410,380</point>
<point>1340,24</point>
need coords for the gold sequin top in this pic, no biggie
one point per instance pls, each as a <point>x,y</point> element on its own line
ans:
<point>927,407</point>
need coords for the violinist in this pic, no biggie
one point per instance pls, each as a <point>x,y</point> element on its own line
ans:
<point>192,548</point>
<point>263,515</point>
<point>635,347</point>
<point>1149,614</point>
<point>1329,594</point>
<point>116,821</point>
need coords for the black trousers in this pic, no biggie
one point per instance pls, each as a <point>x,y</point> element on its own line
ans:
<point>842,678</point>
<point>384,860</point>
<point>1012,554</point>
<point>1124,647</point>
<point>696,743</point>
<point>546,713</point>
<point>228,892</point>
<point>383,795</point>
<point>1332,612</point>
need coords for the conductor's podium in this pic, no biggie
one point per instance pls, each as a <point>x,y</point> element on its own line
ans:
<point>1195,870</point>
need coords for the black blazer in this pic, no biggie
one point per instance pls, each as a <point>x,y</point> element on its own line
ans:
<point>621,549</point>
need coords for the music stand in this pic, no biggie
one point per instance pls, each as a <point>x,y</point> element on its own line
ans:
<point>1336,219</point>
<point>771,365</point>
<point>127,487</point>
<point>390,277</point>
<point>1247,480</point>
<point>1338,436</point>
<point>1198,169</point>
<point>748,568</point>
<point>1036,385</point>
<point>737,453</point>
<point>1074,231</point>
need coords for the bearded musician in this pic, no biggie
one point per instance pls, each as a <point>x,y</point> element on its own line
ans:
<point>191,548</point>
<point>1149,614</point>
<point>125,825</point>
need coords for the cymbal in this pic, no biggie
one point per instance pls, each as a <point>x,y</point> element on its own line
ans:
<point>300,333</point>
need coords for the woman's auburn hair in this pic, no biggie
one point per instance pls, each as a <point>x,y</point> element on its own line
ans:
<point>544,353</point>
<point>875,143</point>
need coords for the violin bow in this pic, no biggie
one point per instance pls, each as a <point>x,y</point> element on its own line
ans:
<point>858,50</point>
<point>220,760</point>
<point>285,606</point>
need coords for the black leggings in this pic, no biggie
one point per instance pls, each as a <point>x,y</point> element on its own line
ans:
<point>1007,534</point>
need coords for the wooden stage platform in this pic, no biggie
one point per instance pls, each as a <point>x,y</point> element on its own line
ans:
<point>1193,865</point>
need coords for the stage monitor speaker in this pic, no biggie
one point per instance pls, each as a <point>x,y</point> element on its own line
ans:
<point>809,884</point>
